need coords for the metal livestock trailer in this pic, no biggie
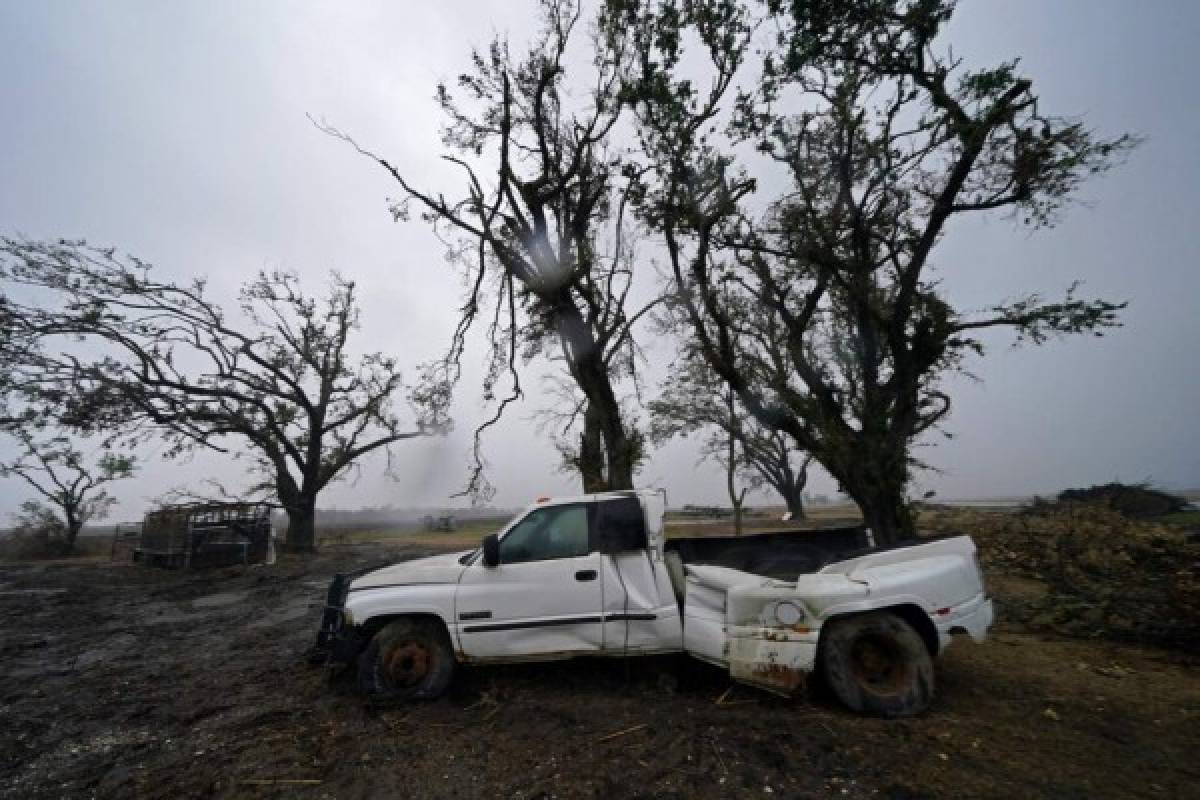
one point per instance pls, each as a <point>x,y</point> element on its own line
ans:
<point>206,535</point>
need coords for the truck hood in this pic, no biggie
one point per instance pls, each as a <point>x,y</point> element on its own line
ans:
<point>434,569</point>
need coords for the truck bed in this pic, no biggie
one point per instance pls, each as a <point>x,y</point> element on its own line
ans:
<point>782,554</point>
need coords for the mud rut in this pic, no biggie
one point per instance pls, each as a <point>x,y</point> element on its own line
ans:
<point>123,681</point>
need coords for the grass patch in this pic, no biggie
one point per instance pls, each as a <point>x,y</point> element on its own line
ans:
<point>1191,517</point>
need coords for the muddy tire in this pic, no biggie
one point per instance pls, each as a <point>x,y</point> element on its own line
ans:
<point>877,664</point>
<point>409,659</point>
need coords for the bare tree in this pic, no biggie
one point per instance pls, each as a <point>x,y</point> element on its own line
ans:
<point>695,400</point>
<point>540,229</point>
<point>890,140</point>
<point>281,380</point>
<point>70,487</point>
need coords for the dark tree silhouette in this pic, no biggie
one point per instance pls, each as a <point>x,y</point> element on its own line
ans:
<point>885,139</point>
<point>70,487</point>
<point>695,401</point>
<point>540,229</point>
<point>161,358</point>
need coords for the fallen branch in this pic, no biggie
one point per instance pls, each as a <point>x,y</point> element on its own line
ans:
<point>696,773</point>
<point>622,733</point>
<point>273,781</point>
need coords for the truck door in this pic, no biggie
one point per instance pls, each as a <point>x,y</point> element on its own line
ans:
<point>640,610</point>
<point>544,598</point>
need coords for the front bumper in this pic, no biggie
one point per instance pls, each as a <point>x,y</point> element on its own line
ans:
<point>337,642</point>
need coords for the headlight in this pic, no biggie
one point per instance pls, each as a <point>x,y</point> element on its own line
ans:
<point>788,614</point>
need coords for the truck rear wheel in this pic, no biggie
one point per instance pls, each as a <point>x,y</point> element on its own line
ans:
<point>877,664</point>
<point>409,659</point>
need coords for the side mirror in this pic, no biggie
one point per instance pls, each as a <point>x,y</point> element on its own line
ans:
<point>491,550</point>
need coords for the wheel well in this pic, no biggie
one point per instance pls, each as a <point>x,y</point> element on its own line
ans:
<point>375,624</point>
<point>912,614</point>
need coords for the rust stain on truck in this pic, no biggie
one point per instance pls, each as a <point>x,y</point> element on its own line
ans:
<point>778,678</point>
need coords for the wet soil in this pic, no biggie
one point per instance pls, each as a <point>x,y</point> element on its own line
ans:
<point>122,681</point>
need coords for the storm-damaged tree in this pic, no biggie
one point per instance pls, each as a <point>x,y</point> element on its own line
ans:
<point>164,358</point>
<point>885,139</point>
<point>695,401</point>
<point>70,487</point>
<point>540,230</point>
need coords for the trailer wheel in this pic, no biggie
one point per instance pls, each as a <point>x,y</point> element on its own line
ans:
<point>877,664</point>
<point>409,659</point>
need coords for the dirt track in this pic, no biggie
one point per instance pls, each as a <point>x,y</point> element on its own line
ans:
<point>124,681</point>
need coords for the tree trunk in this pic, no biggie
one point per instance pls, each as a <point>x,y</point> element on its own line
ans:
<point>620,460</point>
<point>797,480</point>
<point>873,471</point>
<point>885,512</point>
<point>608,455</point>
<point>73,527</point>
<point>622,455</point>
<point>738,500</point>
<point>735,498</point>
<point>792,491</point>
<point>795,502</point>
<point>302,525</point>
<point>590,461</point>
<point>731,464</point>
<point>612,466</point>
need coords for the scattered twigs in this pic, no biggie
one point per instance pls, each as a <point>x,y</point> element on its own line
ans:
<point>695,773</point>
<point>487,699</point>
<point>724,701</point>
<point>280,782</point>
<point>624,732</point>
<point>394,724</point>
<point>717,753</point>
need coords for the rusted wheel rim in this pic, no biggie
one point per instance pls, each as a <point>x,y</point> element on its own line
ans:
<point>878,664</point>
<point>406,663</point>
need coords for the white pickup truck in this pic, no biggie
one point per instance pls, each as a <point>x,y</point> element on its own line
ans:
<point>594,575</point>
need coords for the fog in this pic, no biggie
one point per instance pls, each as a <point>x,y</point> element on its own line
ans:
<point>178,132</point>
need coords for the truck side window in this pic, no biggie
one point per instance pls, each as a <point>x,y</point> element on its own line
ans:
<point>555,532</point>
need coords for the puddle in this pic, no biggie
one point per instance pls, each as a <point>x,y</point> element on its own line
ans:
<point>116,646</point>
<point>287,612</point>
<point>30,592</point>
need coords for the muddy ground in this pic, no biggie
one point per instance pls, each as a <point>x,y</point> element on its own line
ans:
<point>121,681</point>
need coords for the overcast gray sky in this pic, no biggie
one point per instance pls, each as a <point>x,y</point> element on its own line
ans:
<point>177,132</point>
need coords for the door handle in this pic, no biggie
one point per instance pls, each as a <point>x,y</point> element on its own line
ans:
<point>585,575</point>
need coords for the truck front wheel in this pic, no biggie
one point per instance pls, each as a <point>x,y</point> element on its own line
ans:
<point>409,659</point>
<point>877,664</point>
